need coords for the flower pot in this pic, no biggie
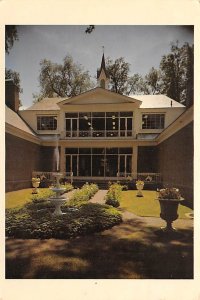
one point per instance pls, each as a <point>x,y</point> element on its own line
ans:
<point>168,212</point>
<point>139,187</point>
<point>35,184</point>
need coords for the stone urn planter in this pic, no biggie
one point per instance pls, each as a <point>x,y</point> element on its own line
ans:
<point>139,186</point>
<point>169,200</point>
<point>35,184</point>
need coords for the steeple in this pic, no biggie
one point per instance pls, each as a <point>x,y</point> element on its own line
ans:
<point>102,75</point>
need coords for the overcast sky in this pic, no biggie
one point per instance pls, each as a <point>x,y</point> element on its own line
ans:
<point>141,46</point>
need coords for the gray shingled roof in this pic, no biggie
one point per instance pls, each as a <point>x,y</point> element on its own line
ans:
<point>156,101</point>
<point>148,101</point>
<point>47,104</point>
<point>12,118</point>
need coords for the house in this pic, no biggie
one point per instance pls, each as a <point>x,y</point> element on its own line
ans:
<point>101,136</point>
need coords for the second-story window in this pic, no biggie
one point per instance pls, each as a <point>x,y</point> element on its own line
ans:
<point>46,122</point>
<point>153,121</point>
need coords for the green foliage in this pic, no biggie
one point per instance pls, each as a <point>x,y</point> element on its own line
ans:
<point>174,77</point>
<point>177,73</point>
<point>62,80</point>
<point>89,218</point>
<point>118,71</point>
<point>113,195</point>
<point>10,37</point>
<point>83,195</point>
<point>169,193</point>
<point>67,186</point>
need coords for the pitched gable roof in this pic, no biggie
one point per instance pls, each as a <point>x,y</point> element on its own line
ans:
<point>13,119</point>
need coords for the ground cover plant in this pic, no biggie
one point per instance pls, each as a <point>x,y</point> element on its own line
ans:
<point>113,195</point>
<point>35,218</point>
<point>147,205</point>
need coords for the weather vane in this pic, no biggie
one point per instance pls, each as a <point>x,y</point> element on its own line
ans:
<point>103,49</point>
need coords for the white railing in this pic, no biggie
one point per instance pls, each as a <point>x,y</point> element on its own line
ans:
<point>147,177</point>
<point>98,133</point>
<point>50,175</point>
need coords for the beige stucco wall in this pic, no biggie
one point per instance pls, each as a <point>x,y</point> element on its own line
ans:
<point>30,117</point>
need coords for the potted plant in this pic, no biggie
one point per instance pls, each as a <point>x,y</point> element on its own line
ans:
<point>139,186</point>
<point>169,199</point>
<point>35,184</point>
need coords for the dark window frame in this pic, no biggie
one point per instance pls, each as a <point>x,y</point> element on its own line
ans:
<point>47,122</point>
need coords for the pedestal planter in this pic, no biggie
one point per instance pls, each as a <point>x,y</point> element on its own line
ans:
<point>168,212</point>
<point>58,202</point>
<point>139,186</point>
<point>35,184</point>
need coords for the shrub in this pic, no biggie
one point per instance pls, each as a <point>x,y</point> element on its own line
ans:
<point>68,187</point>
<point>83,195</point>
<point>89,218</point>
<point>114,195</point>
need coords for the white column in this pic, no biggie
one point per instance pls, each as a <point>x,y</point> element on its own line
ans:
<point>134,161</point>
<point>62,159</point>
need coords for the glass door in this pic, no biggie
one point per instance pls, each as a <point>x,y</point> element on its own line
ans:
<point>72,164</point>
<point>124,164</point>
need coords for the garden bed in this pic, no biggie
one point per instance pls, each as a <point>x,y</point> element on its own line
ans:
<point>35,219</point>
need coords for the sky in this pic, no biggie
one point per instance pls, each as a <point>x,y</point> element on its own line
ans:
<point>141,46</point>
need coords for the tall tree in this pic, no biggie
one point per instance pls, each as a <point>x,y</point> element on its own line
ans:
<point>10,36</point>
<point>118,71</point>
<point>152,82</point>
<point>188,78</point>
<point>136,85</point>
<point>63,80</point>
<point>177,73</point>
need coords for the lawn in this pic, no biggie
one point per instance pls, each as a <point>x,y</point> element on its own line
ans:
<point>19,198</point>
<point>146,206</point>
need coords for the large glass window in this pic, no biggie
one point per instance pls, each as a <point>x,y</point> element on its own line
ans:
<point>153,121</point>
<point>99,162</point>
<point>99,124</point>
<point>46,122</point>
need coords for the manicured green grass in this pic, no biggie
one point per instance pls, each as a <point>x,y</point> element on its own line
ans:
<point>19,198</point>
<point>147,205</point>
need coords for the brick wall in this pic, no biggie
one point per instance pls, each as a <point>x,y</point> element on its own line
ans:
<point>176,161</point>
<point>147,159</point>
<point>22,157</point>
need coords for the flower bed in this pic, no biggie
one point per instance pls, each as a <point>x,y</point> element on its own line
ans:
<point>113,195</point>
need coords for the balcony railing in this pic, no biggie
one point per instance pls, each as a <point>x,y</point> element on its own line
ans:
<point>98,133</point>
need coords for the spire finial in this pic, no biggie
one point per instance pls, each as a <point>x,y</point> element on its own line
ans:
<point>103,49</point>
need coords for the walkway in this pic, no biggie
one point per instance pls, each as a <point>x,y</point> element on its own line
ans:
<point>99,197</point>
